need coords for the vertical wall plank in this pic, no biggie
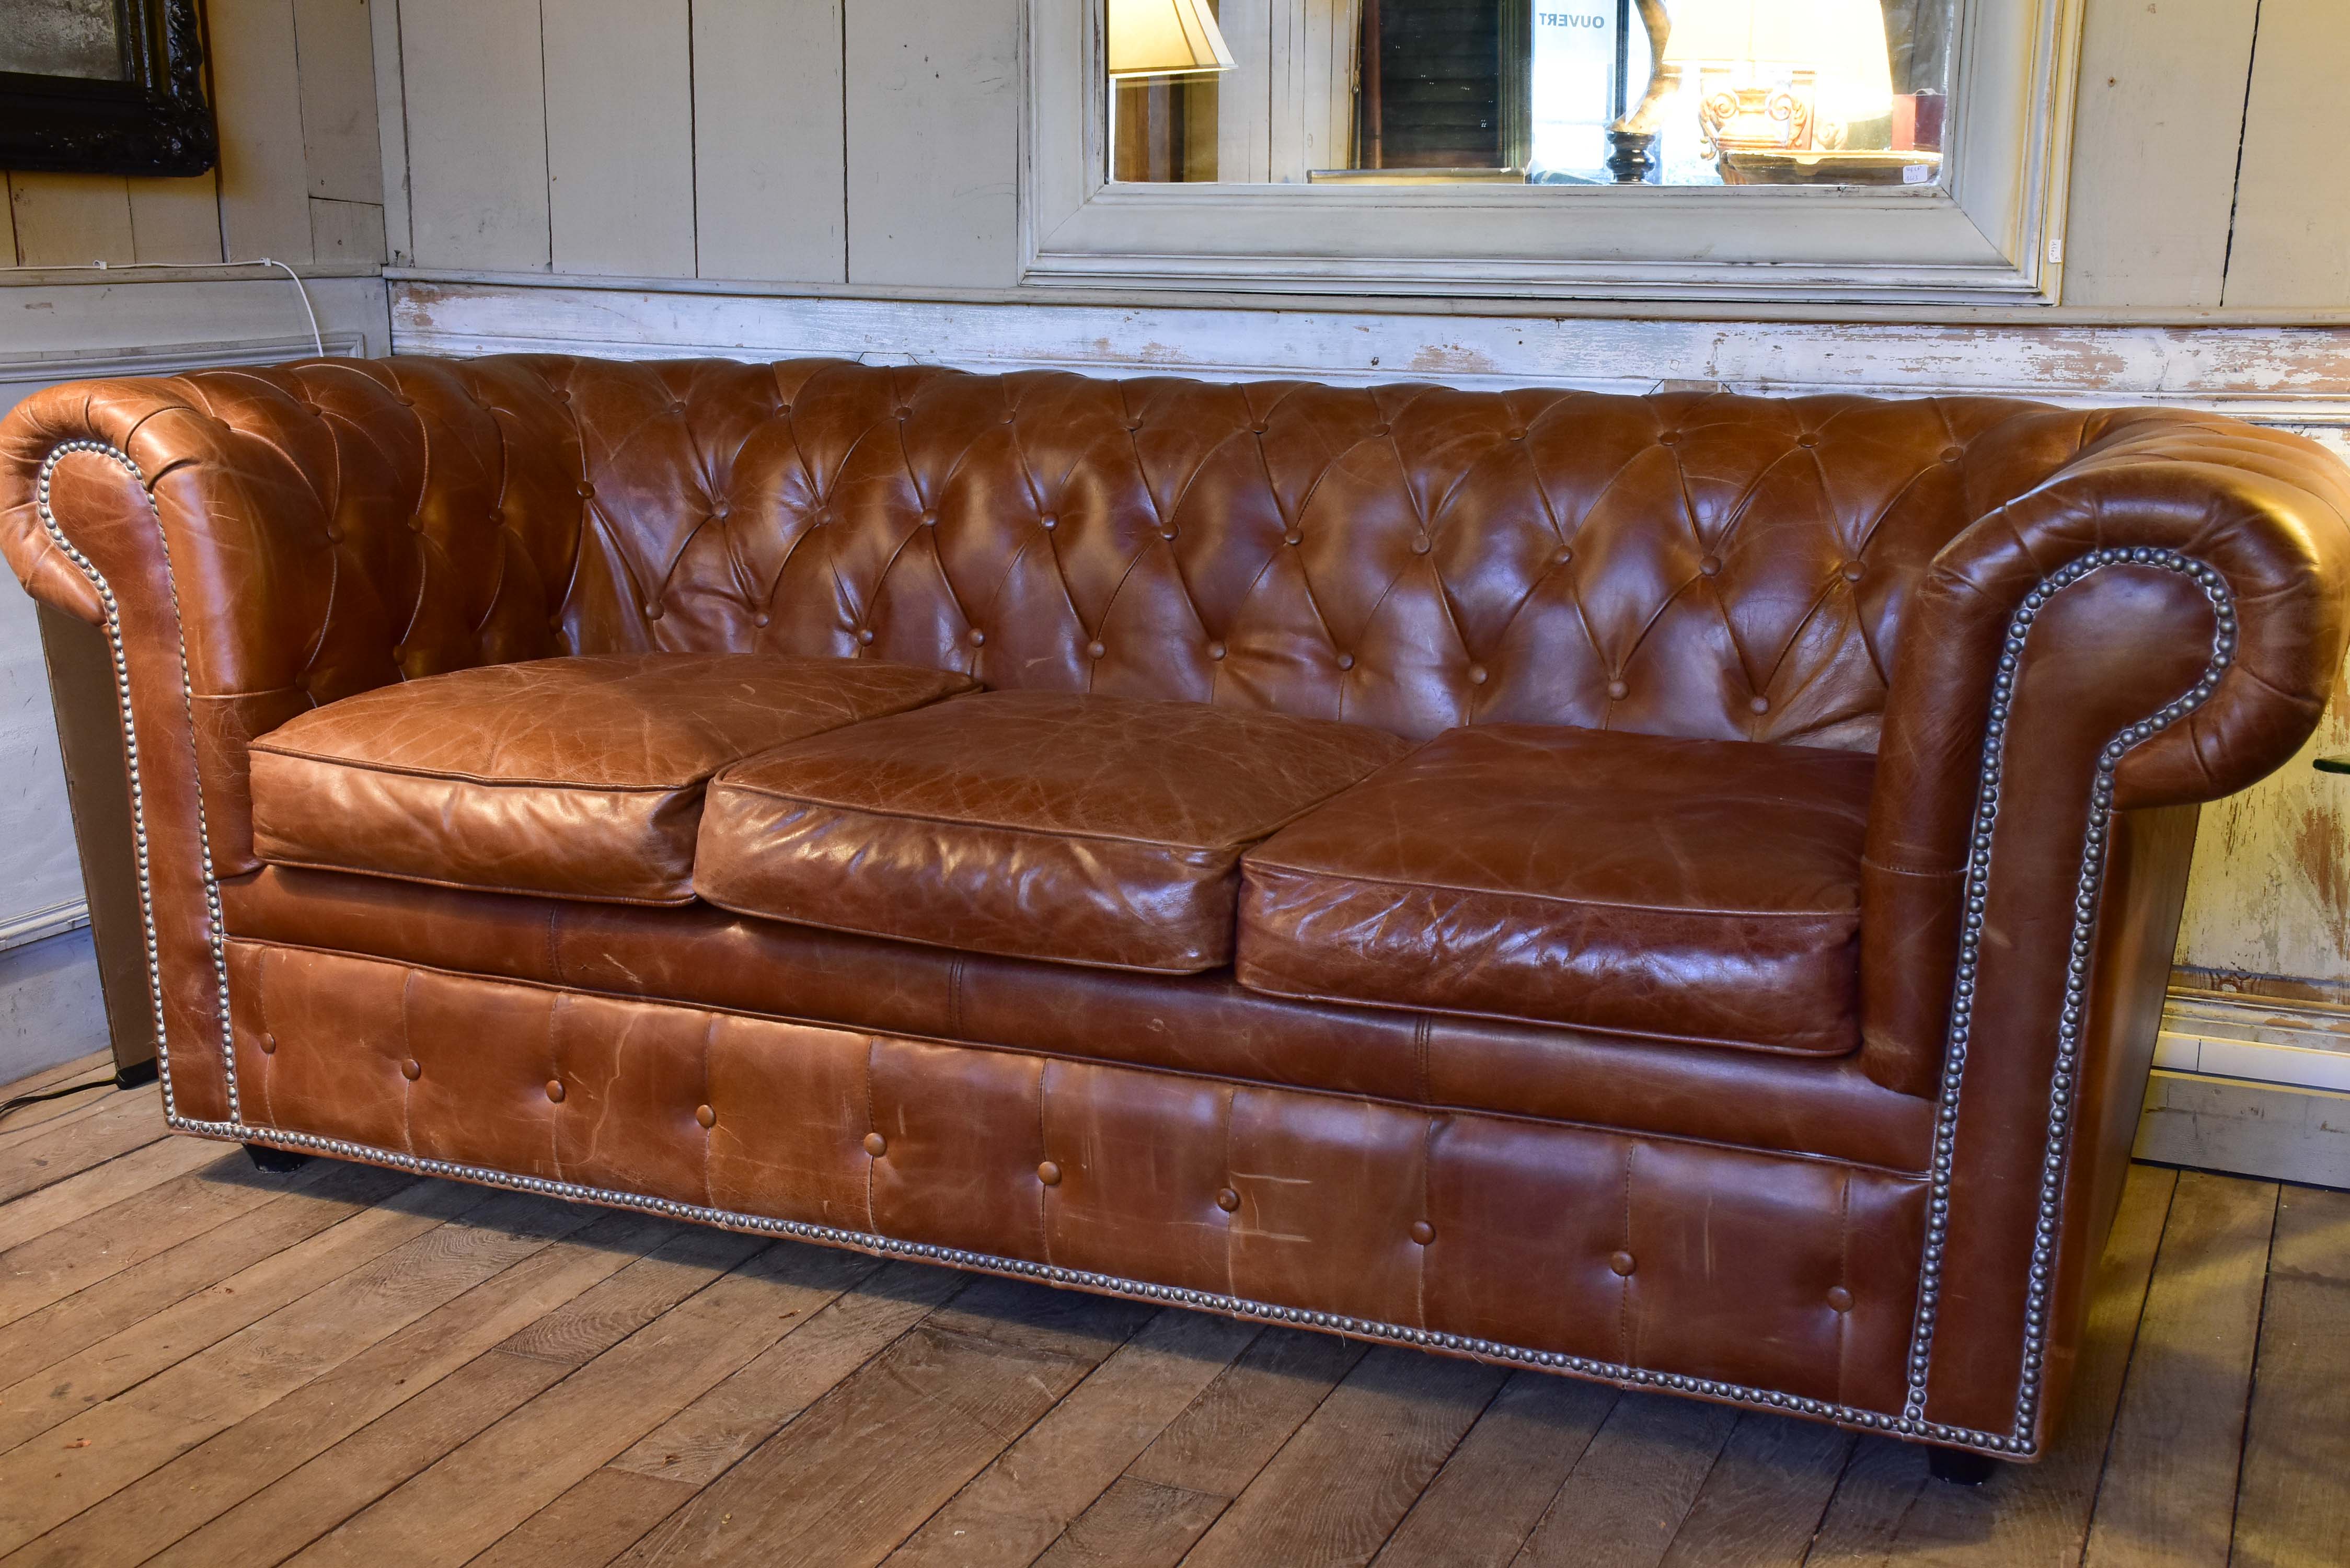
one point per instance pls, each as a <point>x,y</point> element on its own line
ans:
<point>176,220</point>
<point>933,142</point>
<point>71,220</point>
<point>619,136</point>
<point>2293,203</point>
<point>257,99</point>
<point>346,231</point>
<point>335,44</point>
<point>767,159</point>
<point>476,133</point>
<point>391,126</point>
<point>2155,128</point>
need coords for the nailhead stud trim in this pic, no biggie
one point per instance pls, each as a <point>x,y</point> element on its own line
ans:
<point>2089,884</point>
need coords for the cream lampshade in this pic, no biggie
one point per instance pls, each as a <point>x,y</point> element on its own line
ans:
<point>1841,43</point>
<point>1165,39</point>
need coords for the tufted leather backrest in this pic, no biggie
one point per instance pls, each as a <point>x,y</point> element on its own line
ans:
<point>1408,556</point>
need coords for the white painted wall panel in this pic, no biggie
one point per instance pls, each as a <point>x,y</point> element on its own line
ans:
<point>257,99</point>
<point>769,198</point>
<point>476,125</point>
<point>933,142</point>
<point>619,136</point>
<point>2291,244</point>
<point>334,50</point>
<point>2160,103</point>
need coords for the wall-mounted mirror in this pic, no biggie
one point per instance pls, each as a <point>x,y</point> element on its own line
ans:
<point>104,87</point>
<point>1674,92</point>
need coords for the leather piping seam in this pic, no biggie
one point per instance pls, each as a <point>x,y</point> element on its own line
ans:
<point>1188,853</point>
<point>1848,917</point>
<point>1192,1075</point>
<point>1256,982</point>
<point>453,775</point>
<point>2056,1156</point>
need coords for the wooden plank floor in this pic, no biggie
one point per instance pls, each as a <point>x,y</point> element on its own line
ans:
<point>200,1364</point>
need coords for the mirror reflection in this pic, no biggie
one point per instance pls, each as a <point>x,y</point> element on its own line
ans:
<point>1567,92</point>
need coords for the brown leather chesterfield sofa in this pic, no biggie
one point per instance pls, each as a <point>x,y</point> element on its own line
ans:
<point>1676,890</point>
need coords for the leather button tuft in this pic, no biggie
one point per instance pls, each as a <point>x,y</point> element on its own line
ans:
<point>1227,1200</point>
<point>1852,571</point>
<point>677,408</point>
<point>760,618</point>
<point>1622,1264</point>
<point>1807,440</point>
<point>1759,704</point>
<point>1952,453</point>
<point>1048,521</point>
<point>864,634</point>
<point>1095,650</point>
<point>1379,431</point>
<point>652,612</point>
<point>1422,1232</point>
<point>334,536</point>
<point>1839,1299</point>
<point>1168,535</point>
<point>977,637</point>
<point>1517,435</point>
<point>905,413</point>
<point>1258,429</point>
<point>1710,566</point>
<point>875,1145</point>
<point>1562,555</point>
<point>1618,691</point>
<point>400,656</point>
<point>1345,662</point>
<point>1419,543</point>
<point>1215,650</point>
<point>1292,537</point>
<point>1049,1174</point>
<point>269,1044</point>
<point>1669,438</point>
<point>416,525</point>
<point>587,492</point>
<point>929,519</point>
<point>555,1090</point>
<point>705,1115</point>
<point>412,1069</point>
<point>1476,675</point>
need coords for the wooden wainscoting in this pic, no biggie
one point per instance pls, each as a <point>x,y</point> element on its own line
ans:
<point>202,1365</point>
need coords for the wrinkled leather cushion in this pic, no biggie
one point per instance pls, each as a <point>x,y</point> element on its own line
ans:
<point>577,777</point>
<point>1084,829</point>
<point>1699,890</point>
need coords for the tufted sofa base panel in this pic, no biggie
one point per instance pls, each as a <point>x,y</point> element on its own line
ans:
<point>1775,1273</point>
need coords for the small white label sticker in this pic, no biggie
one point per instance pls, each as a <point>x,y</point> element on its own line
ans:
<point>1917,173</point>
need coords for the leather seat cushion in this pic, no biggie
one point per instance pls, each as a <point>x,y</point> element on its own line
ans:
<point>1078,828</point>
<point>1706,891</point>
<point>577,777</point>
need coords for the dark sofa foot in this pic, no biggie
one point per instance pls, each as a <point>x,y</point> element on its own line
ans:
<point>278,1162</point>
<point>1960,1466</point>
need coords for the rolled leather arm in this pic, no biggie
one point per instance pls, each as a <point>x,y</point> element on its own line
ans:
<point>2234,531</point>
<point>257,542</point>
<point>2157,624</point>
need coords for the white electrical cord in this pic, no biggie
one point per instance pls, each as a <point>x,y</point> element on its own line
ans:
<point>317,337</point>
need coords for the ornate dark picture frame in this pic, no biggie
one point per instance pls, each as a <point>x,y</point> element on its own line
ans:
<point>155,119</point>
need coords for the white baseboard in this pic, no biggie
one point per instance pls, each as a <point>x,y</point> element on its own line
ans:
<point>2296,1044</point>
